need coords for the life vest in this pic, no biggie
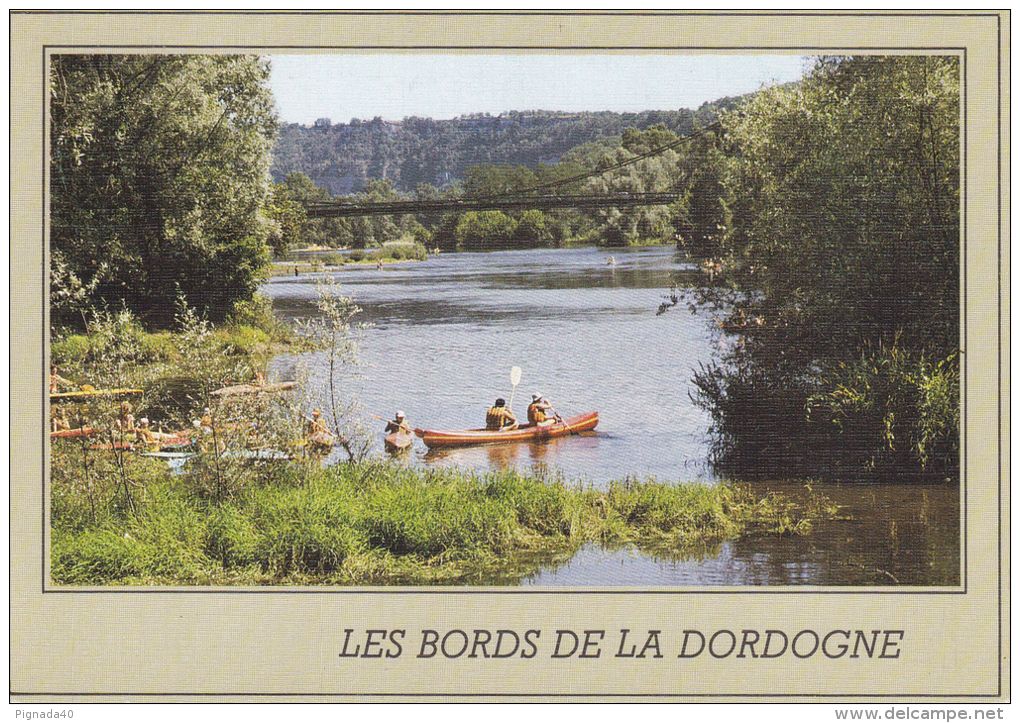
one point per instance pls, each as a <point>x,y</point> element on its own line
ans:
<point>536,415</point>
<point>496,418</point>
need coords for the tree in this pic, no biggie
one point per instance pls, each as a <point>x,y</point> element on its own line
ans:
<point>838,244</point>
<point>478,229</point>
<point>290,219</point>
<point>159,178</point>
<point>657,173</point>
<point>532,227</point>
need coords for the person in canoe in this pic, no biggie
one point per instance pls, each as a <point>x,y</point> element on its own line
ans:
<point>125,419</point>
<point>499,417</point>
<point>149,436</point>
<point>206,422</point>
<point>320,439</point>
<point>540,412</point>
<point>57,381</point>
<point>398,424</point>
<point>58,420</point>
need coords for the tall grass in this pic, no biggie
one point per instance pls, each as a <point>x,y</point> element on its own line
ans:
<point>382,523</point>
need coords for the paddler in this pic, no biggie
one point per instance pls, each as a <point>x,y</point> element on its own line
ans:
<point>319,436</point>
<point>148,435</point>
<point>540,411</point>
<point>397,424</point>
<point>57,381</point>
<point>125,419</point>
<point>499,417</point>
<point>145,435</point>
<point>59,421</point>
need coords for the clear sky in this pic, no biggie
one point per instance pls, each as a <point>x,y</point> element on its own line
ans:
<point>341,87</point>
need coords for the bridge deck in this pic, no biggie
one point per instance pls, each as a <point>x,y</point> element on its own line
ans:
<point>347,209</point>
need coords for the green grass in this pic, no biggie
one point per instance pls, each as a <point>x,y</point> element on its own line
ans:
<point>382,523</point>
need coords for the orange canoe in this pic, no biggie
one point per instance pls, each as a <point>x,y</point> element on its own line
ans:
<point>73,433</point>
<point>526,432</point>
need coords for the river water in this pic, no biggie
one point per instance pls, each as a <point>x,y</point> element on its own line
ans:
<point>444,334</point>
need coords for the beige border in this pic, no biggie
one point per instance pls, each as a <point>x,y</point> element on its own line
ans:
<point>286,643</point>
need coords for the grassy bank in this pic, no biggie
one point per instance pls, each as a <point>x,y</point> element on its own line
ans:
<point>382,523</point>
<point>311,261</point>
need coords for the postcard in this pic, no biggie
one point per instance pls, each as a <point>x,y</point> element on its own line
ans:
<point>527,355</point>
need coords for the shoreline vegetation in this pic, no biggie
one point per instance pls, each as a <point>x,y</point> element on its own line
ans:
<point>324,259</point>
<point>384,523</point>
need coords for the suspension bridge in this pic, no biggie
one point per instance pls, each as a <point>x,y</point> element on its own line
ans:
<point>347,209</point>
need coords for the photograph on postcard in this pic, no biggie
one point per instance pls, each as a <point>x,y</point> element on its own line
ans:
<point>547,320</point>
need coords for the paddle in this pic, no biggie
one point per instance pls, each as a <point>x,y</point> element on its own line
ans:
<point>559,417</point>
<point>515,379</point>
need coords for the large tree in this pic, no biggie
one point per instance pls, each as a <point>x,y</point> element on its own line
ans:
<point>837,238</point>
<point>159,177</point>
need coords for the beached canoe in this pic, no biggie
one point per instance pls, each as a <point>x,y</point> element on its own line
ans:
<point>243,389</point>
<point>171,456</point>
<point>171,442</point>
<point>524,433</point>
<point>74,433</point>
<point>93,393</point>
<point>398,441</point>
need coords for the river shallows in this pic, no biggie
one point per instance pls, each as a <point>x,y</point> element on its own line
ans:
<point>446,331</point>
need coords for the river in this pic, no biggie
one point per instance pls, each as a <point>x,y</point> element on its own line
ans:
<point>444,334</point>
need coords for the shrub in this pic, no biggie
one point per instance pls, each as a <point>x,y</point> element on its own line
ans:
<point>256,312</point>
<point>70,350</point>
<point>893,409</point>
<point>158,347</point>
<point>240,340</point>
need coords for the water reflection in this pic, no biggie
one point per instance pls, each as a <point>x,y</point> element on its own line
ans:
<point>888,535</point>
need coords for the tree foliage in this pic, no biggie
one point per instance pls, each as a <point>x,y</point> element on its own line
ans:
<point>343,157</point>
<point>159,176</point>
<point>831,211</point>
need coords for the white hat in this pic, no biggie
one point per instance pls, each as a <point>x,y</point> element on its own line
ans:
<point>536,396</point>
<point>400,414</point>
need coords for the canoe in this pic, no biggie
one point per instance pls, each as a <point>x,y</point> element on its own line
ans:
<point>74,433</point>
<point>169,455</point>
<point>398,441</point>
<point>93,393</point>
<point>526,432</point>
<point>177,441</point>
<point>258,454</point>
<point>242,389</point>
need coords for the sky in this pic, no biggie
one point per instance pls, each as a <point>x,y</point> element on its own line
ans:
<point>394,86</point>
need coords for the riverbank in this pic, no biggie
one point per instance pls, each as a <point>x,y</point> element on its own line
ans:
<point>379,523</point>
<point>290,268</point>
<point>321,259</point>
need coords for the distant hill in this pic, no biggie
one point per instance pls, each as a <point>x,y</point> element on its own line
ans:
<point>341,157</point>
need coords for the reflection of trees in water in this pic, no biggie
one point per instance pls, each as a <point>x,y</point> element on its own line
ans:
<point>894,535</point>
